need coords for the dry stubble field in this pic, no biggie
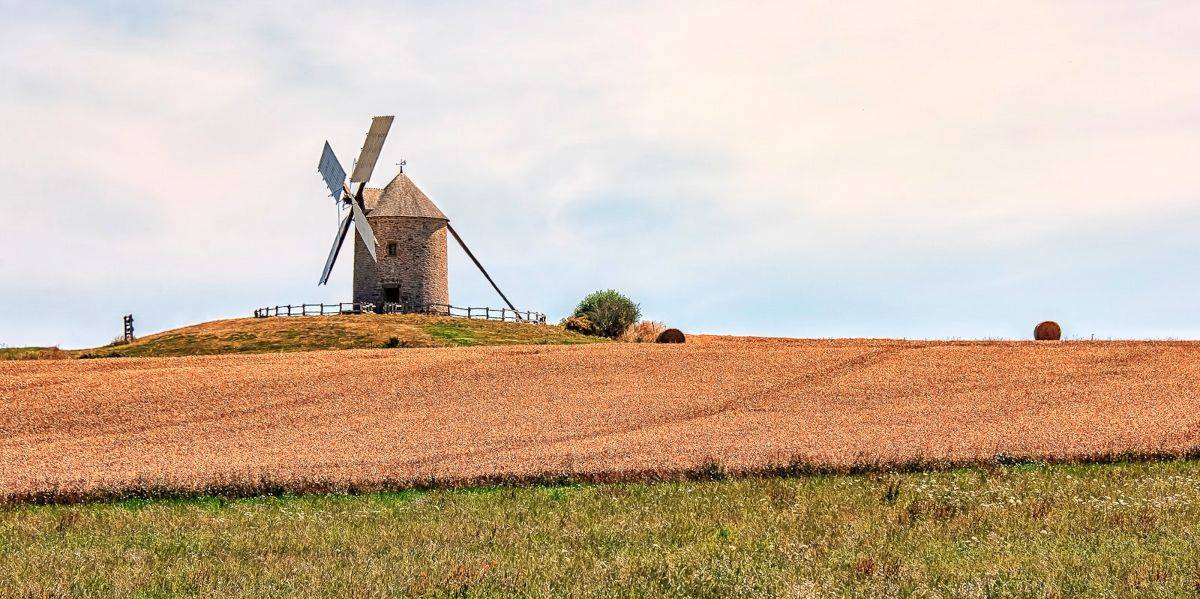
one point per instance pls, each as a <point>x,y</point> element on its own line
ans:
<point>459,415</point>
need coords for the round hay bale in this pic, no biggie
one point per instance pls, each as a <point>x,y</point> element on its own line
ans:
<point>1047,331</point>
<point>671,336</point>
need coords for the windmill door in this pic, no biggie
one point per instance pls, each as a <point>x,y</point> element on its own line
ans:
<point>391,295</point>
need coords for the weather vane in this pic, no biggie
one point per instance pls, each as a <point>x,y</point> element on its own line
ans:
<point>401,164</point>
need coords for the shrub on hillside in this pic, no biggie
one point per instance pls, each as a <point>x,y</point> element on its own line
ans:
<point>609,312</point>
<point>578,324</point>
<point>646,331</point>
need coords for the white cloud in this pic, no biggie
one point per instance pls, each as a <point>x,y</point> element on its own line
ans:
<point>675,149</point>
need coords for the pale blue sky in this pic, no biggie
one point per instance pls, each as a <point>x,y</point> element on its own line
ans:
<point>922,170</point>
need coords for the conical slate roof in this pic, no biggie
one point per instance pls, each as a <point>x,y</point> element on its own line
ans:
<point>401,197</point>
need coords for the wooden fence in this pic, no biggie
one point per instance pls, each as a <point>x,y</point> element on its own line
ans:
<point>313,309</point>
<point>502,314</point>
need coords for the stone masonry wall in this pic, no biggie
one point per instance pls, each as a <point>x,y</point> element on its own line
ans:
<point>418,268</point>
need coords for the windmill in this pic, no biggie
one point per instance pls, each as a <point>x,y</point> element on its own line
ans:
<point>412,273</point>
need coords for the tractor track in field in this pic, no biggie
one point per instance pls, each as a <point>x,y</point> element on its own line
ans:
<point>730,406</point>
<point>807,379</point>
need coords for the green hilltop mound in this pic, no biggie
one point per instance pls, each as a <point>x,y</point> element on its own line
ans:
<point>310,333</point>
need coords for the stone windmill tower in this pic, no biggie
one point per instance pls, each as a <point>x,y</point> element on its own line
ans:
<point>400,234</point>
<point>410,233</point>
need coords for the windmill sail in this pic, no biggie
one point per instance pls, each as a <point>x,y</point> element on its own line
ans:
<point>337,246</point>
<point>369,155</point>
<point>364,229</point>
<point>332,172</point>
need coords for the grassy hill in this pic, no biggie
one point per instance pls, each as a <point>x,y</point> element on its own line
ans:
<point>286,334</point>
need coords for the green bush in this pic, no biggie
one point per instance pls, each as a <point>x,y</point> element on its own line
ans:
<point>609,312</point>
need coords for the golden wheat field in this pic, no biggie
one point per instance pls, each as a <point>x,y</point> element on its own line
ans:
<point>467,414</point>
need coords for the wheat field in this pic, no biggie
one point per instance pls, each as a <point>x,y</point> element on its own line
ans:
<point>447,416</point>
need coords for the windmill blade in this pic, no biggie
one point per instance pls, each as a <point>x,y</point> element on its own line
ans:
<point>365,164</point>
<point>364,229</point>
<point>332,172</point>
<point>337,246</point>
<point>485,273</point>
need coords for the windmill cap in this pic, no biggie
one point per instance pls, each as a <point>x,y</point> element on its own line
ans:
<point>401,198</point>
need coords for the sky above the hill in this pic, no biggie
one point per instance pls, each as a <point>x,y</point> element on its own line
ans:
<point>922,170</point>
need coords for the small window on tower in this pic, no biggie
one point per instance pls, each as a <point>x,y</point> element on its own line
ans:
<point>391,249</point>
